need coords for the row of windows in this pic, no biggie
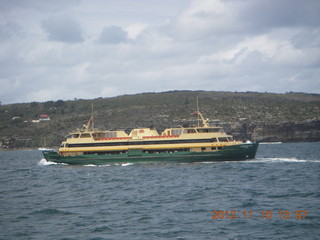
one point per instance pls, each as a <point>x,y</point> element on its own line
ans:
<point>144,151</point>
<point>155,151</point>
<point>201,130</point>
<point>138,143</point>
<point>212,148</point>
<point>173,132</point>
<point>95,135</point>
<point>126,143</point>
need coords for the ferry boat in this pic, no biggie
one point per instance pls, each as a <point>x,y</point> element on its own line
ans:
<point>201,143</point>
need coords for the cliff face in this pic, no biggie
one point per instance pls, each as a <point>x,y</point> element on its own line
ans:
<point>308,131</point>
<point>290,132</point>
<point>289,117</point>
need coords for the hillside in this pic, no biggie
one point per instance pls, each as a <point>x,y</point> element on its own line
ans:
<point>246,115</point>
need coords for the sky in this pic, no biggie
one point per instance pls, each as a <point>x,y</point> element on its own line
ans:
<point>85,49</point>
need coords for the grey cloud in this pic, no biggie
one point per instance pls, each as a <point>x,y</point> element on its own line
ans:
<point>268,14</point>
<point>113,35</point>
<point>47,6</point>
<point>13,4</point>
<point>236,45</point>
<point>9,30</point>
<point>249,17</point>
<point>62,29</point>
<point>11,66</point>
<point>306,38</point>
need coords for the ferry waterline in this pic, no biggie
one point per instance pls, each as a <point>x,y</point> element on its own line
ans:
<point>202,143</point>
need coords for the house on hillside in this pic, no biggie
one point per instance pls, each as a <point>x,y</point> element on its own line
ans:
<point>42,118</point>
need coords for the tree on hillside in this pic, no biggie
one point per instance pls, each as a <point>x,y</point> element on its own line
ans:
<point>59,103</point>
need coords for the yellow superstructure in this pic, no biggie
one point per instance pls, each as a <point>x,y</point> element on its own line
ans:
<point>195,139</point>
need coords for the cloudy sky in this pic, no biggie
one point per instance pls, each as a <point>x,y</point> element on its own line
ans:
<point>66,49</point>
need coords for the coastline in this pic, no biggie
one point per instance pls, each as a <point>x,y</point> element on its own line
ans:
<point>55,148</point>
<point>24,149</point>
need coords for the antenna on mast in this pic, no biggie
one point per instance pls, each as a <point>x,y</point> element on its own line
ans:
<point>198,112</point>
<point>204,121</point>
<point>90,122</point>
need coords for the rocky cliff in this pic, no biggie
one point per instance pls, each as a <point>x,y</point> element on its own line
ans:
<point>307,131</point>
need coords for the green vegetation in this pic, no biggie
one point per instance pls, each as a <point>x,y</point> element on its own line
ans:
<point>158,110</point>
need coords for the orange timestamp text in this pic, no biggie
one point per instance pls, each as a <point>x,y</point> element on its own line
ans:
<point>283,214</point>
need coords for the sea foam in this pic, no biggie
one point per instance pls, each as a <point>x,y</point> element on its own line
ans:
<point>44,162</point>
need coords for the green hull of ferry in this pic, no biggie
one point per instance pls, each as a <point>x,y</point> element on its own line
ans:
<point>228,153</point>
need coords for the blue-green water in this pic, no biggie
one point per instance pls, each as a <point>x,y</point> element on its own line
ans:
<point>39,200</point>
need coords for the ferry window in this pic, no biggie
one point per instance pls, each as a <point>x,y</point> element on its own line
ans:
<point>75,135</point>
<point>230,139</point>
<point>220,148</point>
<point>85,135</point>
<point>213,148</point>
<point>208,130</point>
<point>191,130</point>
<point>97,135</point>
<point>110,135</point>
<point>223,139</point>
<point>203,148</point>
<point>176,132</point>
<point>203,130</point>
<point>214,140</point>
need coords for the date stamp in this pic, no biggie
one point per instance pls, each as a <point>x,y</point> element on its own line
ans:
<point>266,214</point>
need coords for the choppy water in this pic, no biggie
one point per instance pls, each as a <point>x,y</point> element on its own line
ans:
<point>39,200</point>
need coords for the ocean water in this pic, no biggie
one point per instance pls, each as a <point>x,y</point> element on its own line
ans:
<point>275,196</point>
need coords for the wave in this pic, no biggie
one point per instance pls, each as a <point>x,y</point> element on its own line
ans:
<point>266,160</point>
<point>51,211</point>
<point>126,164</point>
<point>270,142</point>
<point>257,160</point>
<point>108,165</point>
<point>90,165</point>
<point>44,162</point>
